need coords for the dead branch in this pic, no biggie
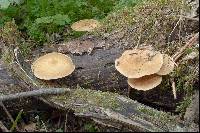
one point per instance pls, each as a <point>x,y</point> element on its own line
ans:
<point>8,114</point>
<point>188,44</point>
<point>174,89</point>
<point>38,92</point>
<point>3,128</point>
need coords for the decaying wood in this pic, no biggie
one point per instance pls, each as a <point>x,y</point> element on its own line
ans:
<point>107,107</point>
<point>92,85</point>
<point>192,112</point>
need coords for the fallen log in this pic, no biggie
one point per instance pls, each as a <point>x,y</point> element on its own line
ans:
<point>106,107</point>
<point>93,83</point>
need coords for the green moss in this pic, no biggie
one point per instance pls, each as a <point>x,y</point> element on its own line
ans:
<point>93,97</point>
<point>7,56</point>
<point>185,75</point>
<point>155,114</point>
<point>148,22</point>
<point>182,106</point>
<point>9,33</point>
<point>158,118</point>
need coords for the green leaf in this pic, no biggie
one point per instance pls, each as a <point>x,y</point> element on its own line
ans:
<point>44,20</point>
<point>61,19</point>
<point>16,120</point>
<point>57,19</point>
<point>4,4</point>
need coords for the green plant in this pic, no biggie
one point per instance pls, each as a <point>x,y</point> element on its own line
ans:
<point>16,121</point>
<point>41,18</point>
<point>5,3</point>
<point>182,106</point>
<point>44,17</point>
<point>126,3</point>
<point>89,127</point>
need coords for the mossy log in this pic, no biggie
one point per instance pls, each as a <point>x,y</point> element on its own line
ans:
<point>105,107</point>
<point>95,85</point>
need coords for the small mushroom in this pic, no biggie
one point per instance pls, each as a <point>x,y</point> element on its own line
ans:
<point>168,65</point>
<point>85,25</point>
<point>138,63</point>
<point>146,82</point>
<point>52,66</point>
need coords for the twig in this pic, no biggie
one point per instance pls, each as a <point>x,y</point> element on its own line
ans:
<point>65,126</point>
<point>139,38</point>
<point>44,126</point>
<point>181,20</point>
<point>186,17</point>
<point>174,89</point>
<point>38,92</point>
<point>173,61</point>
<point>174,28</point>
<point>188,44</point>
<point>3,128</point>
<point>8,114</point>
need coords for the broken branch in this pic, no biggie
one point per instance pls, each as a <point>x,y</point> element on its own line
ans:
<point>38,92</point>
<point>188,44</point>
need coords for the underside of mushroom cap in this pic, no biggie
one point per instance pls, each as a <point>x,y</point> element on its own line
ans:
<point>146,82</point>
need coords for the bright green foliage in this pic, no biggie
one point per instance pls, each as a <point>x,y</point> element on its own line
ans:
<point>126,3</point>
<point>40,18</point>
<point>5,3</point>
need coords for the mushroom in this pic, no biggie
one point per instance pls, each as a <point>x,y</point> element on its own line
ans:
<point>85,25</point>
<point>168,65</point>
<point>138,63</point>
<point>146,82</point>
<point>52,66</point>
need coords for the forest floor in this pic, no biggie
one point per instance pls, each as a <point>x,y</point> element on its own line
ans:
<point>30,114</point>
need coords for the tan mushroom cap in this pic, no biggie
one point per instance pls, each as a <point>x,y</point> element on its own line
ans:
<point>52,66</point>
<point>168,65</point>
<point>128,52</point>
<point>138,63</point>
<point>85,25</point>
<point>146,82</point>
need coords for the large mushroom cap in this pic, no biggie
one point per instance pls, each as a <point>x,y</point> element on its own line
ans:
<point>138,63</point>
<point>85,25</point>
<point>52,66</point>
<point>145,83</point>
<point>167,67</point>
